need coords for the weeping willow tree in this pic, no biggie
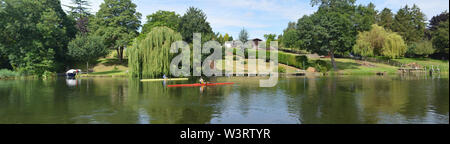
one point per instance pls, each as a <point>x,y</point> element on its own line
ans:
<point>370,43</point>
<point>379,42</point>
<point>151,57</point>
<point>394,46</point>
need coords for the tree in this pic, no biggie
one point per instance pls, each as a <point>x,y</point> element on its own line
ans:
<point>394,46</point>
<point>370,43</point>
<point>269,38</point>
<point>243,35</point>
<point>220,39</point>
<point>436,20</point>
<point>410,24</point>
<point>364,16</point>
<point>161,18</point>
<point>291,26</point>
<point>379,42</point>
<point>194,21</point>
<point>34,35</point>
<point>80,12</point>
<point>290,39</point>
<point>226,37</point>
<point>117,22</point>
<point>87,49</point>
<point>332,29</point>
<point>422,48</point>
<point>151,57</point>
<point>80,9</point>
<point>441,39</point>
<point>385,18</point>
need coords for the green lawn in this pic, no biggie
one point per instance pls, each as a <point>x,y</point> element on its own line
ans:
<point>353,67</point>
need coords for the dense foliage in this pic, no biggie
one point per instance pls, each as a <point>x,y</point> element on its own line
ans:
<point>87,49</point>
<point>117,22</point>
<point>194,21</point>
<point>373,43</point>
<point>161,18</point>
<point>151,57</point>
<point>386,18</point>
<point>422,48</point>
<point>243,35</point>
<point>35,35</point>
<point>441,39</point>
<point>80,12</point>
<point>334,27</point>
<point>394,46</point>
<point>409,22</point>
<point>269,38</point>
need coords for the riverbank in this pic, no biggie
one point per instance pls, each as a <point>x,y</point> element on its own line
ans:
<point>111,67</point>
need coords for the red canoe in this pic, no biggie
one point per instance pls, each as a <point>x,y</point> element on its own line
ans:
<point>197,85</point>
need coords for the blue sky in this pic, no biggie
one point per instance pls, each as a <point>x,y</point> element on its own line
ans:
<point>261,17</point>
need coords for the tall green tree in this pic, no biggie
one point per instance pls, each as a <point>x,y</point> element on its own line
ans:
<point>80,12</point>
<point>35,35</point>
<point>333,28</point>
<point>386,18</point>
<point>161,18</point>
<point>441,39</point>
<point>291,39</point>
<point>422,48</point>
<point>194,21</point>
<point>410,23</point>
<point>220,39</point>
<point>269,38</point>
<point>87,49</point>
<point>117,22</point>
<point>436,20</point>
<point>243,35</point>
<point>226,37</point>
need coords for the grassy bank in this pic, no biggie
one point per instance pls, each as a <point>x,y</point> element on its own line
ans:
<point>108,67</point>
<point>355,67</point>
<point>8,74</point>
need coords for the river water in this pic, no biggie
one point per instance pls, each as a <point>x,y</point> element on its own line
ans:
<point>295,100</point>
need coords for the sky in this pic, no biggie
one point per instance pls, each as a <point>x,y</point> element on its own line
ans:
<point>260,17</point>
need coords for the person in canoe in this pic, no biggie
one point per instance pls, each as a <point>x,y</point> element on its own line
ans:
<point>165,78</point>
<point>202,81</point>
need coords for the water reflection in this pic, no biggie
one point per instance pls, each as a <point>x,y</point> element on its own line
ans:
<point>348,99</point>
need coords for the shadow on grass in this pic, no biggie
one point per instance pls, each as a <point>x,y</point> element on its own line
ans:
<point>346,65</point>
<point>113,61</point>
<point>106,72</point>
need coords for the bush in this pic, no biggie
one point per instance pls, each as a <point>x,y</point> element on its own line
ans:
<point>421,49</point>
<point>293,60</point>
<point>321,65</point>
<point>4,73</point>
<point>281,70</point>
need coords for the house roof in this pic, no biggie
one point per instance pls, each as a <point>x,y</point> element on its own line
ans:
<point>256,39</point>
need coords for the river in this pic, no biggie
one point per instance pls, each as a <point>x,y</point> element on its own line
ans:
<point>295,100</point>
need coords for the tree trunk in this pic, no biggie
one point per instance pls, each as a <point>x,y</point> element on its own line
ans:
<point>87,67</point>
<point>119,53</point>
<point>333,62</point>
